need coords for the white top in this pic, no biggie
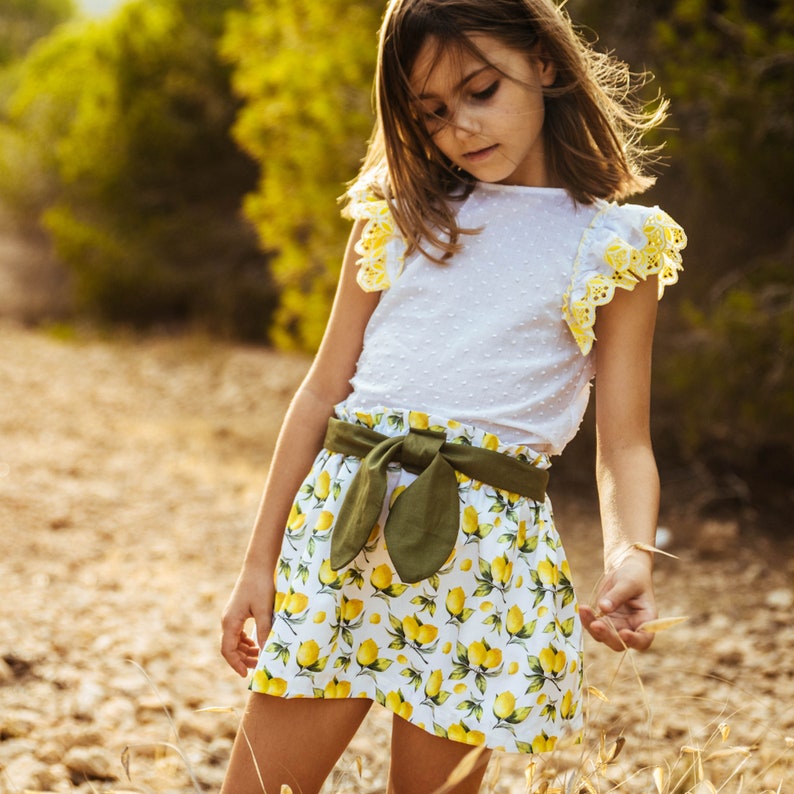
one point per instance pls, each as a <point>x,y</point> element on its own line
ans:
<point>500,336</point>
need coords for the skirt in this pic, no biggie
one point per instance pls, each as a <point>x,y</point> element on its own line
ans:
<point>487,651</point>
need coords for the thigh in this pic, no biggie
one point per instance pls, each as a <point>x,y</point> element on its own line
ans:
<point>422,763</point>
<point>290,741</point>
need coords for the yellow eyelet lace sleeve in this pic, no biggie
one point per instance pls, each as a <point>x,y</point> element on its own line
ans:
<point>381,247</point>
<point>623,245</point>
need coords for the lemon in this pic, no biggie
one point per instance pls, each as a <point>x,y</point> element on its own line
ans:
<point>490,441</point>
<point>459,689</point>
<point>501,570</point>
<point>475,738</point>
<point>365,419</point>
<point>351,609</point>
<point>565,707</point>
<point>486,606</point>
<point>465,565</point>
<point>543,744</point>
<point>393,701</point>
<point>566,570</point>
<point>397,491</point>
<point>276,687</point>
<point>402,658</point>
<point>433,685</point>
<point>308,653</point>
<point>327,574</point>
<point>295,603</point>
<point>455,601</point>
<point>427,634</point>
<point>410,628</point>
<point>470,520</point>
<point>374,618</point>
<point>513,669</point>
<point>319,617</point>
<point>418,420</point>
<point>552,661</point>
<point>367,653</point>
<point>405,711</point>
<point>381,577</point>
<point>521,535</point>
<point>559,661</point>
<point>447,647</point>
<point>477,653</point>
<point>322,486</point>
<point>492,659</point>
<point>541,699</point>
<point>515,620</point>
<point>295,520</point>
<point>324,521</point>
<point>548,573</point>
<point>504,705</point>
<point>279,601</point>
<point>457,733</point>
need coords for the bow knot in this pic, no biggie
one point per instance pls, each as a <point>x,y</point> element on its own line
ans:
<point>423,522</point>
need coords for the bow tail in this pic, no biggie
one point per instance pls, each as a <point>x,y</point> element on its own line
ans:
<point>362,505</point>
<point>423,522</point>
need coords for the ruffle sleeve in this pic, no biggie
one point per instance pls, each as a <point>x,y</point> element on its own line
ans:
<point>381,247</point>
<point>623,246</point>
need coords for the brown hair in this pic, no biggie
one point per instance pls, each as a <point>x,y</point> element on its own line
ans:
<point>593,119</point>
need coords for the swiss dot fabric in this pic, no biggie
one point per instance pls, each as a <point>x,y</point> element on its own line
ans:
<point>498,336</point>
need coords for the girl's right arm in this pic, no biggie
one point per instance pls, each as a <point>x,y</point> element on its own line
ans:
<point>326,384</point>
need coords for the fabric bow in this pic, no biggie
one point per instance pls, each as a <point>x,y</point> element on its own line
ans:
<point>423,521</point>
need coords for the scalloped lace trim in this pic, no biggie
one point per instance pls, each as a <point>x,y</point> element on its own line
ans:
<point>379,230</point>
<point>661,257</point>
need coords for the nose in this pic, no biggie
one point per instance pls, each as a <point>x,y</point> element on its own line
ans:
<point>466,123</point>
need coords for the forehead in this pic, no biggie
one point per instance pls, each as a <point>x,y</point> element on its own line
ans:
<point>440,67</point>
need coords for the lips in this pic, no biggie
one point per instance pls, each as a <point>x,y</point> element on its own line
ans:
<point>481,154</point>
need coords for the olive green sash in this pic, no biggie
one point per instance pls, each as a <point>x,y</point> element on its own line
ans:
<point>423,521</point>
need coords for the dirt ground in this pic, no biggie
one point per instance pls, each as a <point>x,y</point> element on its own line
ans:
<point>130,472</point>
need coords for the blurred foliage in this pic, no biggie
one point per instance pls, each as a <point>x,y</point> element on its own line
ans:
<point>22,22</point>
<point>305,70</point>
<point>724,384</point>
<point>117,134</point>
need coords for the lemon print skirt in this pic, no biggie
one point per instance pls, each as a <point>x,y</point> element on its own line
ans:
<point>488,650</point>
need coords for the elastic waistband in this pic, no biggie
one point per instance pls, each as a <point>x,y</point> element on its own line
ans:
<point>398,421</point>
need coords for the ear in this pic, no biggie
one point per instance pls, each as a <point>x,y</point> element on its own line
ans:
<point>547,69</point>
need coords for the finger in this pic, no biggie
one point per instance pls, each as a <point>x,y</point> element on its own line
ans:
<point>231,643</point>
<point>638,640</point>
<point>605,633</point>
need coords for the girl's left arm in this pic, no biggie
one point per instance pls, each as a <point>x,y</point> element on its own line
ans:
<point>628,480</point>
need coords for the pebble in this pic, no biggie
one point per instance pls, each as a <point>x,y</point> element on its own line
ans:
<point>782,599</point>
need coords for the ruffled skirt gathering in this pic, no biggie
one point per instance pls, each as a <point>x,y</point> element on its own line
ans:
<point>487,651</point>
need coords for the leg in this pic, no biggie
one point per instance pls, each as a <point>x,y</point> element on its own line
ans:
<point>421,763</point>
<point>295,741</point>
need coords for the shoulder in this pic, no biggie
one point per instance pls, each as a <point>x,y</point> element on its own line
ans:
<point>624,245</point>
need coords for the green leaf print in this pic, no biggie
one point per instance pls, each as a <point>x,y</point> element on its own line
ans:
<point>566,627</point>
<point>280,650</point>
<point>425,602</point>
<point>471,707</point>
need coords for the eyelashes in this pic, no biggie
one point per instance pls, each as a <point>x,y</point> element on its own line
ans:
<point>441,114</point>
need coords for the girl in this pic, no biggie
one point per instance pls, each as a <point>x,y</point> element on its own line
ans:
<point>420,566</point>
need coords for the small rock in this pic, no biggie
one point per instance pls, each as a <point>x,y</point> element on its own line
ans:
<point>89,763</point>
<point>782,599</point>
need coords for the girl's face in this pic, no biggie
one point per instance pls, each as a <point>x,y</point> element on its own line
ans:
<point>486,116</point>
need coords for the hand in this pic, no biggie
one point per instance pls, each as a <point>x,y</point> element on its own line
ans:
<point>625,601</point>
<point>253,597</point>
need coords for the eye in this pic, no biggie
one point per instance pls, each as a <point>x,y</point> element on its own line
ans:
<point>436,115</point>
<point>486,93</point>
